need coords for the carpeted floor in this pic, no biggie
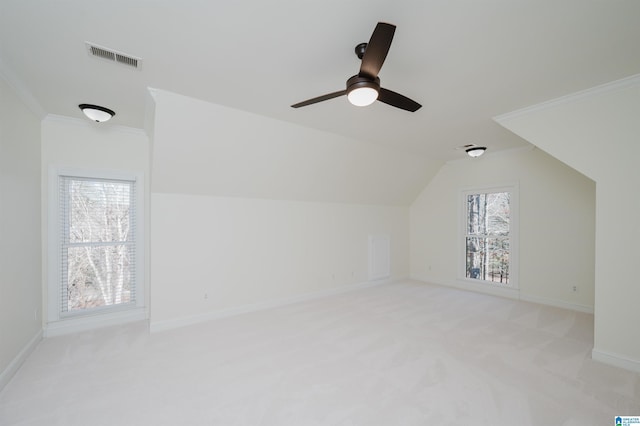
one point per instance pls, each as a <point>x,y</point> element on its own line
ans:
<point>399,354</point>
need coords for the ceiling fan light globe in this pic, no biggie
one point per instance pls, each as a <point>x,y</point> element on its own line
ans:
<point>363,96</point>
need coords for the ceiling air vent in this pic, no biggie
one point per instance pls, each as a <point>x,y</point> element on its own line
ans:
<point>113,56</point>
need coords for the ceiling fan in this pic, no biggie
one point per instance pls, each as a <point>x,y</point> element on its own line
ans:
<point>364,88</point>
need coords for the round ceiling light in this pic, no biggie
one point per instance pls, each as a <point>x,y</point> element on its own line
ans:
<point>476,151</point>
<point>363,96</point>
<point>96,113</point>
<point>362,91</point>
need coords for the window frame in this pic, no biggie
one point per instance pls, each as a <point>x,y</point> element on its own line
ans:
<point>135,310</point>
<point>513,190</point>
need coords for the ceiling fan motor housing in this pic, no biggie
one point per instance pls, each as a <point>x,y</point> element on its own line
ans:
<point>360,50</point>
<point>358,81</point>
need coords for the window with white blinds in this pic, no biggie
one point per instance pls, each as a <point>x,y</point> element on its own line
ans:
<point>97,229</point>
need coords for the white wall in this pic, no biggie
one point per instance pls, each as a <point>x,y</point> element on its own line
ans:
<point>20,273</point>
<point>207,149</point>
<point>556,225</point>
<point>241,252</point>
<point>250,210</point>
<point>74,143</point>
<point>598,132</point>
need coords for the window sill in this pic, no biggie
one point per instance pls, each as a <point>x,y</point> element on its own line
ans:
<point>93,320</point>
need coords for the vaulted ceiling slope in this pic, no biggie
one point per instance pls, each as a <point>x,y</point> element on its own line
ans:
<point>201,148</point>
<point>464,61</point>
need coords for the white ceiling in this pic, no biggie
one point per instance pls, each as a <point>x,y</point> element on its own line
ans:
<point>464,61</point>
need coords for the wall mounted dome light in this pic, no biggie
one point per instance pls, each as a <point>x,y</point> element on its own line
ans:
<point>476,151</point>
<point>96,113</point>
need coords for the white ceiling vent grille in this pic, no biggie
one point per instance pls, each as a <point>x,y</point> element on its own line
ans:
<point>113,56</point>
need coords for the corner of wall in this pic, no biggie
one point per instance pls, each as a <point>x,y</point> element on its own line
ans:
<point>21,90</point>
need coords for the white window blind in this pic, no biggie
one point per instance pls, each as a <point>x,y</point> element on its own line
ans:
<point>98,243</point>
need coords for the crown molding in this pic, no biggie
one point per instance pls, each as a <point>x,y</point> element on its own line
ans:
<point>81,122</point>
<point>623,83</point>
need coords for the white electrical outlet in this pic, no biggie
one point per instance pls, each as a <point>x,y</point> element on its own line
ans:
<point>574,288</point>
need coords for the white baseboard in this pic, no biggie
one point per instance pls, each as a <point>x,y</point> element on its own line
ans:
<point>12,368</point>
<point>615,360</point>
<point>510,293</point>
<point>157,326</point>
<point>557,303</point>
<point>84,323</point>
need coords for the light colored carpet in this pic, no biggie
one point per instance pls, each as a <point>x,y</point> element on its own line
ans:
<point>399,354</point>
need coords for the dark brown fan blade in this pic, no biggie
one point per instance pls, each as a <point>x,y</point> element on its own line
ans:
<point>397,100</point>
<point>319,99</point>
<point>377,49</point>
